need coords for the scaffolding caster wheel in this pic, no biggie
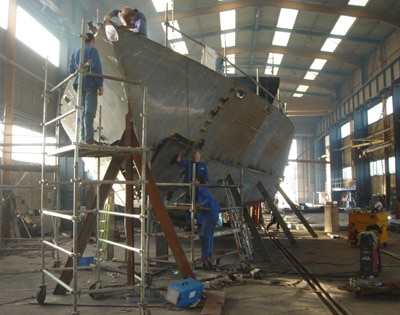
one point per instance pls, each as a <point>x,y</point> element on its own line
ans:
<point>41,294</point>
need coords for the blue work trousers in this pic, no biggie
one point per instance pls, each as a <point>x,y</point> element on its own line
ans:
<point>89,108</point>
<point>207,236</point>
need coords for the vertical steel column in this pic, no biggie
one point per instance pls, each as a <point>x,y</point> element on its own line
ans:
<point>361,164</point>
<point>336,157</point>
<point>9,91</point>
<point>42,179</point>
<point>396,119</point>
<point>75,206</point>
<point>386,152</point>
<point>320,173</point>
<point>143,216</point>
<point>130,267</point>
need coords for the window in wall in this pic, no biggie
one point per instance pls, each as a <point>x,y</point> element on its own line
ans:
<point>346,173</point>
<point>374,114</point>
<point>327,139</point>
<point>27,146</point>
<point>4,13</point>
<point>377,168</point>
<point>392,165</point>
<point>389,105</point>
<point>345,130</point>
<point>36,37</point>
<point>289,184</point>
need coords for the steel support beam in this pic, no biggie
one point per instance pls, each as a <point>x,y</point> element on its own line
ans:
<point>276,213</point>
<point>297,212</point>
<point>259,244</point>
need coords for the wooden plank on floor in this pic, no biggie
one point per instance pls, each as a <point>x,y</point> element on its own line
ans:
<point>214,302</point>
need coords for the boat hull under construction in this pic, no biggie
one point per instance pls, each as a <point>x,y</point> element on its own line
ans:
<point>188,105</point>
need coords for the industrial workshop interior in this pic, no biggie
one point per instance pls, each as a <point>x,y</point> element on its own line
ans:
<point>200,157</point>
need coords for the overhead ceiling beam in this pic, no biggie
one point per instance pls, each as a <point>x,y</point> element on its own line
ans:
<point>306,54</point>
<point>311,83</point>
<point>63,10</point>
<point>272,28</point>
<point>255,30</point>
<point>308,93</point>
<point>59,13</point>
<point>262,64</point>
<point>354,62</point>
<point>389,19</point>
<point>307,106</point>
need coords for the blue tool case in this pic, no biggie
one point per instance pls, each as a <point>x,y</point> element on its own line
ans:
<point>184,292</point>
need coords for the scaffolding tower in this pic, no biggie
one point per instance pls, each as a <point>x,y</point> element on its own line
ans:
<point>133,154</point>
<point>78,149</point>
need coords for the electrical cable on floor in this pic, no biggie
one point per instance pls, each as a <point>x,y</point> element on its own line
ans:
<point>16,301</point>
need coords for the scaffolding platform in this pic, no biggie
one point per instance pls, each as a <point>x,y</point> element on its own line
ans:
<point>92,150</point>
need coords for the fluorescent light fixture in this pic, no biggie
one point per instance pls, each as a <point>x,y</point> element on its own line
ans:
<point>161,5</point>
<point>227,20</point>
<point>302,88</point>
<point>271,70</point>
<point>311,75</point>
<point>330,44</point>
<point>228,39</point>
<point>172,34</point>
<point>273,61</point>
<point>359,3</point>
<point>298,94</point>
<point>180,47</point>
<point>287,17</point>
<point>281,38</point>
<point>343,25</point>
<point>274,58</point>
<point>318,64</point>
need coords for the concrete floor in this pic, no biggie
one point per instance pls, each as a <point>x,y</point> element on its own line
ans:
<point>281,290</point>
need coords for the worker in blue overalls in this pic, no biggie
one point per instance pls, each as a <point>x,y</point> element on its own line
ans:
<point>207,218</point>
<point>201,169</point>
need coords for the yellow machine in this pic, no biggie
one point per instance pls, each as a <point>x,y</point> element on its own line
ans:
<point>377,222</point>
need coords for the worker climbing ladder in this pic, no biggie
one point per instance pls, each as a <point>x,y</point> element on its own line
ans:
<point>242,237</point>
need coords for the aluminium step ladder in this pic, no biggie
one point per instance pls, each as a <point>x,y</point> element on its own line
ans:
<point>242,238</point>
